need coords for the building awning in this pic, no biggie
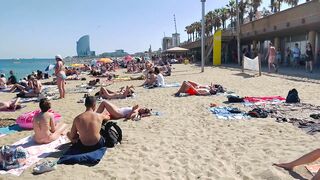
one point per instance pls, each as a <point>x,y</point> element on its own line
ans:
<point>176,50</point>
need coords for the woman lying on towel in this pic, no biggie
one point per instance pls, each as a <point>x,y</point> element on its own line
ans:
<point>36,88</point>
<point>192,88</point>
<point>123,93</point>
<point>45,129</point>
<point>10,106</point>
<point>133,113</point>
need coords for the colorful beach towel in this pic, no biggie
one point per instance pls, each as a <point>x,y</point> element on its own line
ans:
<point>263,100</point>
<point>172,85</point>
<point>313,169</point>
<point>36,152</point>
<point>9,130</point>
<point>228,113</point>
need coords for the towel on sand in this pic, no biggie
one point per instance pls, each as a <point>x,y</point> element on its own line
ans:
<point>228,113</point>
<point>36,152</point>
<point>75,156</point>
<point>9,130</point>
<point>264,100</point>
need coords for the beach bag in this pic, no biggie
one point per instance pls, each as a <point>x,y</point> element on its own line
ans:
<point>258,113</point>
<point>111,133</point>
<point>293,96</point>
<point>12,157</point>
<point>234,99</point>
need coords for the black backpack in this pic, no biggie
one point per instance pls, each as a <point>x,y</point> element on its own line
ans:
<point>111,133</point>
<point>293,97</point>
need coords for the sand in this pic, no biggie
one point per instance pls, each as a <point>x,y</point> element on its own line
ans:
<point>187,141</point>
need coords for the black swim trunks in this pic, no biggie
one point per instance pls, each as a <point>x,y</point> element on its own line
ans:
<point>83,148</point>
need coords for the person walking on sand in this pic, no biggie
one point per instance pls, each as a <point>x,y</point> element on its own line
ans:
<point>309,57</point>
<point>305,159</point>
<point>45,129</point>
<point>61,75</point>
<point>272,58</point>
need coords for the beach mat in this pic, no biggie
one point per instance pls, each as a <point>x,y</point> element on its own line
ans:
<point>36,152</point>
<point>251,101</point>
<point>226,113</point>
<point>10,130</point>
<point>313,169</point>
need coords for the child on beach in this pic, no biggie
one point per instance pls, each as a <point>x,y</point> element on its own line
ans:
<point>44,126</point>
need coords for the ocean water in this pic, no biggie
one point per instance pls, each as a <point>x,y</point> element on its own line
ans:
<point>23,67</point>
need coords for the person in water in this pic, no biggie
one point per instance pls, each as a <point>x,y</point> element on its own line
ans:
<point>85,130</point>
<point>44,126</point>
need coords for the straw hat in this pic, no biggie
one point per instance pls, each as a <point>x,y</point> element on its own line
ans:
<point>58,57</point>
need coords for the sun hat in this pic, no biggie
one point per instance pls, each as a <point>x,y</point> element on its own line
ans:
<point>58,57</point>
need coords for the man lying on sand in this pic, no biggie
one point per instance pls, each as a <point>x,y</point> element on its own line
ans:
<point>192,88</point>
<point>10,106</point>
<point>123,93</point>
<point>85,130</point>
<point>45,129</point>
<point>133,113</point>
<point>305,159</point>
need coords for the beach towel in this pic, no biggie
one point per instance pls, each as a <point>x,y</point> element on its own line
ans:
<point>172,85</point>
<point>263,100</point>
<point>313,169</point>
<point>75,156</point>
<point>36,152</point>
<point>26,100</point>
<point>228,113</point>
<point>10,130</point>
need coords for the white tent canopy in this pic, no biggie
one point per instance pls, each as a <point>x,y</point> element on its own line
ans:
<point>177,49</point>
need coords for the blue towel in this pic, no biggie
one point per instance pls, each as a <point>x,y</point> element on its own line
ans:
<point>172,85</point>
<point>75,156</point>
<point>10,129</point>
<point>224,113</point>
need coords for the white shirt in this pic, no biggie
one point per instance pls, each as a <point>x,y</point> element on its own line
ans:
<point>160,80</point>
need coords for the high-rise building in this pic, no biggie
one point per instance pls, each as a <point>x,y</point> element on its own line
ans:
<point>83,47</point>
<point>166,43</point>
<point>175,39</point>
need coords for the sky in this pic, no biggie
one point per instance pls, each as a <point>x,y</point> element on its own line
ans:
<point>44,28</point>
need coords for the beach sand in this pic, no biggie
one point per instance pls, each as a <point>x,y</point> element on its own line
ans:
<point>187,141</point>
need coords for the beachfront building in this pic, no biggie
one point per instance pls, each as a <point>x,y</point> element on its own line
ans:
<point>299,24</point>
<point>83,47</point>
<point>175,40</point>
<point>117,53</point>
<point>166,43</point>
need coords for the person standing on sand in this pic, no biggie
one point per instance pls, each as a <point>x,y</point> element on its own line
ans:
<point>296,55</point>
<point>45,129</point>
<point>305,159</point>
<point>61,76</point>
<point>309,57</point>
<point>272,58</point>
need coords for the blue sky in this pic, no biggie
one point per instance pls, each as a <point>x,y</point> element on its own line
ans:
<point>43,28</point>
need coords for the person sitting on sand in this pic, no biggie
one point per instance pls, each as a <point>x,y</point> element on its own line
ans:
<point>159,79</point>
<point>85,130</point>
<point>10,106</point>
<point>133,113</point>
<point>3,82</point>
<point>45,129</point>
<point>305,159</point>
<point>192,88</point>
<point>123,93</point>
<point>34,91</point>
<point>22,86</point>
<point>12,79</point>
<point>94,82</point>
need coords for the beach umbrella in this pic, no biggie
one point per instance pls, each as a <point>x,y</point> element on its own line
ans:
<point>105,60</point>
<point>50,67</point>
<point>77,65</point>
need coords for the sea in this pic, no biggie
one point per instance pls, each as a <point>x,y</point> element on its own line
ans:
<point>23,67</point>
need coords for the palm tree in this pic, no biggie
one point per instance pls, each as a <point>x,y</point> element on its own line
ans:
<point>209,22</point>
<point>242,10</point>
<point>187,29</point>
<point>253,5</point>
<point>272,6</point>
<point>216,19</point>
<point>197,26</point>
<point>224,15</point>
<point>232,11</point>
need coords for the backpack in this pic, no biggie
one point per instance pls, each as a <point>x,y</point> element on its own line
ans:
<point>111,133</point>
<point>293,97</point>
<point>258,113</point>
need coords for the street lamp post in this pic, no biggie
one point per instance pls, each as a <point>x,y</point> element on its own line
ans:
<point>202,35</point>
<point>238,32</point>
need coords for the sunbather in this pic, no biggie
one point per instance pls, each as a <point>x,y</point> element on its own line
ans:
<point>123,93</point>
<point>34,91</point>
<point>10,106</point>
<point>193,88</point>
<point>307,158</point>
<point>85,130</point>
<point>133,113</point>
<point>45,129</point>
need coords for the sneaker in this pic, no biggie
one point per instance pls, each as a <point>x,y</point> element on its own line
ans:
<point>45,166</point>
